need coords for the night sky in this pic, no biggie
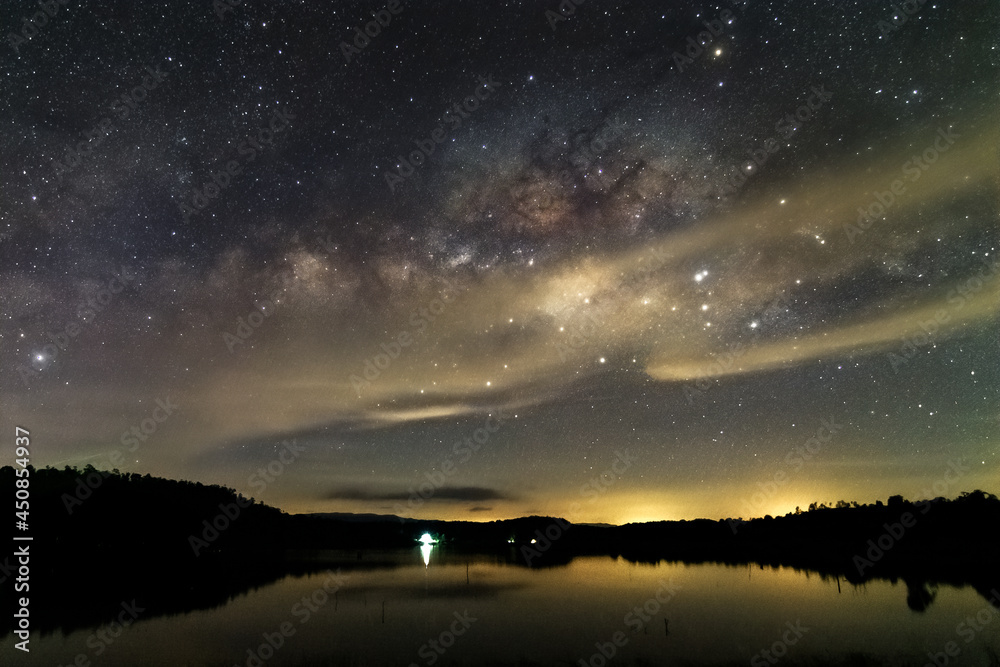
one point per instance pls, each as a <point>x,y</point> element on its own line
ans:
<point>571,264</point>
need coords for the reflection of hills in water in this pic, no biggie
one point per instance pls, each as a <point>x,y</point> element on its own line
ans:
<point>135,538</point>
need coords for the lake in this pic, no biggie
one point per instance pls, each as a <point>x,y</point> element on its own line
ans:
<point>390,606</point>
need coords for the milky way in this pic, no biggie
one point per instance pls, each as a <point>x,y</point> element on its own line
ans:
<point>469,260</point>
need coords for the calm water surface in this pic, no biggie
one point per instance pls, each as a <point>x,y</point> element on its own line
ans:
<point>713,614</point>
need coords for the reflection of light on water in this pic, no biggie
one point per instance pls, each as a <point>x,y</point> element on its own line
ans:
<point>426,545</point>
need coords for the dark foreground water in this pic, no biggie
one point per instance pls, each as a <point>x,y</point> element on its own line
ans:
<point>481,612</point>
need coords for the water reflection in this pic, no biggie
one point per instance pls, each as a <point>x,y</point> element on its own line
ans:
<point>425,551</point>
<point>426,545</point>
<point>389,607</point>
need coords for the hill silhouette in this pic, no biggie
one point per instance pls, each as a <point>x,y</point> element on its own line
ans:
<point>103,538</point>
